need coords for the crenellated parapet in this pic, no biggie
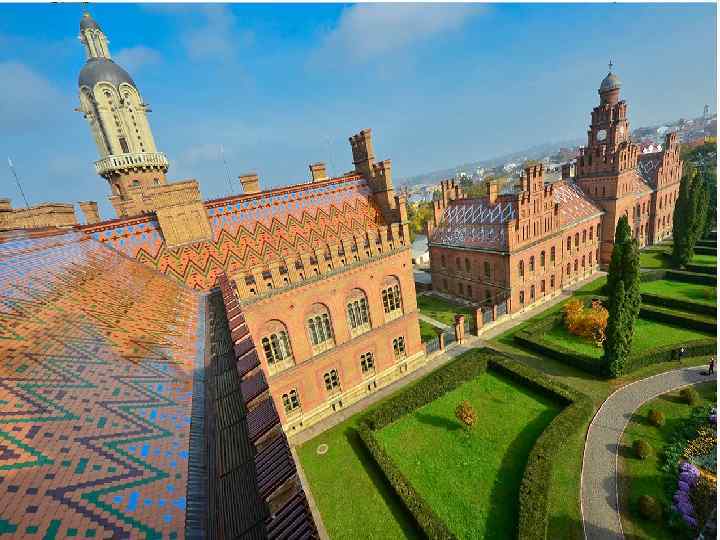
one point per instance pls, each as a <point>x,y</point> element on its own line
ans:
<point>325,259</point>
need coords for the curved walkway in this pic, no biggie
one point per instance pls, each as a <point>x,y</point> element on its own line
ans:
<point>599,490</point>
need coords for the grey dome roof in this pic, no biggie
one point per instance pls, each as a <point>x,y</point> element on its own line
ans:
<point>103,70</point>
<point>611,82</point>
<point>88,22</point>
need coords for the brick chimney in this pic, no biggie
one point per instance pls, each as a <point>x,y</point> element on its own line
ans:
<point>90,211</point>
<point>492,191</point>
<point>250,183</point>
<point>317,172</point>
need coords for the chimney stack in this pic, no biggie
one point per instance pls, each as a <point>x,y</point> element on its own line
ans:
<point>492,191</point>
<point>317,172</point>
<point>250,183</point>
<point>90,211</point>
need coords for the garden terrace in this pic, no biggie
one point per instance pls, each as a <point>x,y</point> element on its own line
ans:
<point>442,310</point>
<point>423,412</point>
<point>639,477</point>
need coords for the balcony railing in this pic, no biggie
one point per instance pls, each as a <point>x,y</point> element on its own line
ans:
<point>128,161</point>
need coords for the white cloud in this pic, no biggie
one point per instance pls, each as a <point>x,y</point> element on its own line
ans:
<point>217,39</point>
<point>133,59</point>
<point>27,99</point>
<point>366,31</point>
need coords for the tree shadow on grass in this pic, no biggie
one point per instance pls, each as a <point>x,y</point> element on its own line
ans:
<point>438,421</point>
<point>504,511</point>
<point>385,490</point>
<point>672,398</point>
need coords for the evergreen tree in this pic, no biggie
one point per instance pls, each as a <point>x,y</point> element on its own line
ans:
<point>683,220</point>
<point>623,298</point>
<point>700,206</point>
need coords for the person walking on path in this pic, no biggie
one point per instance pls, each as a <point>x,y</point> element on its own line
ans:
<point>711,366</point>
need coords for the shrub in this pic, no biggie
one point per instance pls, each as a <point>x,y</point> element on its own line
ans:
<point>649,508</point>
<point>465,413</point>
<point>642,448</point>
<point>690,396</point>
<point>589,323</point>
<point>656,418</point>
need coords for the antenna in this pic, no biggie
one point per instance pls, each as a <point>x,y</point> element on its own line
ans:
<point>17,181</point>
<point>227,170</point>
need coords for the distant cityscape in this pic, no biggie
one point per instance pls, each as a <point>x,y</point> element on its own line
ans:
<point>508,168</point>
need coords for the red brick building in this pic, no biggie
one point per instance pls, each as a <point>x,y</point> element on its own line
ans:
<point>515,249</point>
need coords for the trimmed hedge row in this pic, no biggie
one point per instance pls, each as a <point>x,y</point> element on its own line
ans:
<point>701,269</point>
<point>677,318</point>
<point>706,250</point>
<point>532,339</point>
<point>691,277</point>
<point>535,485</point>
<point>676,303</point>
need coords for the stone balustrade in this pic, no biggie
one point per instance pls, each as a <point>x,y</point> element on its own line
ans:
<point>131,160</point>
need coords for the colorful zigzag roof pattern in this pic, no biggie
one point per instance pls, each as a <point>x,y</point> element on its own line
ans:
<point>96,386</point>
<point>250,230</point>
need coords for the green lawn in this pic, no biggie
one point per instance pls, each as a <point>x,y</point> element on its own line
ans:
<point>643,477</point>
<point>648,334</point>
<point>704,260</point>
<point>683,291</point>
<point>654,258</point>
<point>354,498</point>
<point>441,310</point>
<point>428,331</point>
<point>471,479</point>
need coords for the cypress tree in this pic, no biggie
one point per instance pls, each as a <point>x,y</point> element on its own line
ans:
<point>700,207</point>
<point>684,220</point>
<point>623,298</point>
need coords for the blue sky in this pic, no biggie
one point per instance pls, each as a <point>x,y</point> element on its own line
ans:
<point>281,86</point>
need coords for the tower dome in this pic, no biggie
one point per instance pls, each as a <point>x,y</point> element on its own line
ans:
<point>611,81</point>
<point>88,22</point>
<point>98,70</point>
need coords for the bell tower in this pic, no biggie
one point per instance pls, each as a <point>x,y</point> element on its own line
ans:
<point>607,166</point>
<point>117,115</point>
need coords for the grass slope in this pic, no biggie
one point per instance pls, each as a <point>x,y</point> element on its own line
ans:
<point>643,477</point>
<point>428,331</point>
<point>648,334</point>
<point>471,479</point>
<point>441,310</point>
<point>683,291</point>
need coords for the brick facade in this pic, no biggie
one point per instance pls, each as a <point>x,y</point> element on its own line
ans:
<point>529,244</point>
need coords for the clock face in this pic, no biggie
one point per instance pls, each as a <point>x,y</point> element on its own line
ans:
<point>601,135</point>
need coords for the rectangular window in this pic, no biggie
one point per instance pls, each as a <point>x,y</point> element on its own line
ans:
<point>124,145</point>
<point>399,347</point>
<point>291,401</point>
<point>367,363</point>
<point>332,380</point>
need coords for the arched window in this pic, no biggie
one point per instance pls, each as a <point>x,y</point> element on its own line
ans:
<point>276,346</point>
<point>522,297</point>
<point>358,313</point>
<point>486,268</point>
<point>567,271</point>
<point>532,293</point>
<point>320,329</point>
<point>552,281</point>
<point>542,259</point>
<point>332,381</point>
<point>488,296</point>
<point>521,268</point>
<point>590,233</point>
<point>399,347</point>
<point>291,402</point>
<point>532,263</point>
<point>569,243</point>
<point>583,261</point>
<point>552,254</point>
<point>392,300</point>
<point>367,363</point>
<point>577,239</point>
<point>584,236</point>
<point>576,265</point>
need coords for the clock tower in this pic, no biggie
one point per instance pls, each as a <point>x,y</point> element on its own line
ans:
<point>606,168</point>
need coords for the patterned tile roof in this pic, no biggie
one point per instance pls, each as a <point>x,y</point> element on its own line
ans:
<point>647,167</point>
<point>573,204</point>
<point>250,229</point>
<point>96,387</point>
<point>474,223</point>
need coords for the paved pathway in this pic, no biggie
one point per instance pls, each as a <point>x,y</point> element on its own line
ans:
<point>434,322</point>
<point>599,491</point>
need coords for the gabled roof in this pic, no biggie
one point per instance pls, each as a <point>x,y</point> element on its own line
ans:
<point>573,204</point>
<point>648,166</point>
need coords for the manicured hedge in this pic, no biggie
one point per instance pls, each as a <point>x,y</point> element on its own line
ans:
<point>701,269</point>
<point>652,275</point>
<point>678,318</point>
<point>691,277</point>
<point>535,486</point>
<point>676,303</point>
<point>706,250</point>
<point>668,353</point>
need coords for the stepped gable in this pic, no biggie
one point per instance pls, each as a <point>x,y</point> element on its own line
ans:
<point>96,390</point>
<point>475,223</point>
<point>573,204</point>
<point>249,229</point>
